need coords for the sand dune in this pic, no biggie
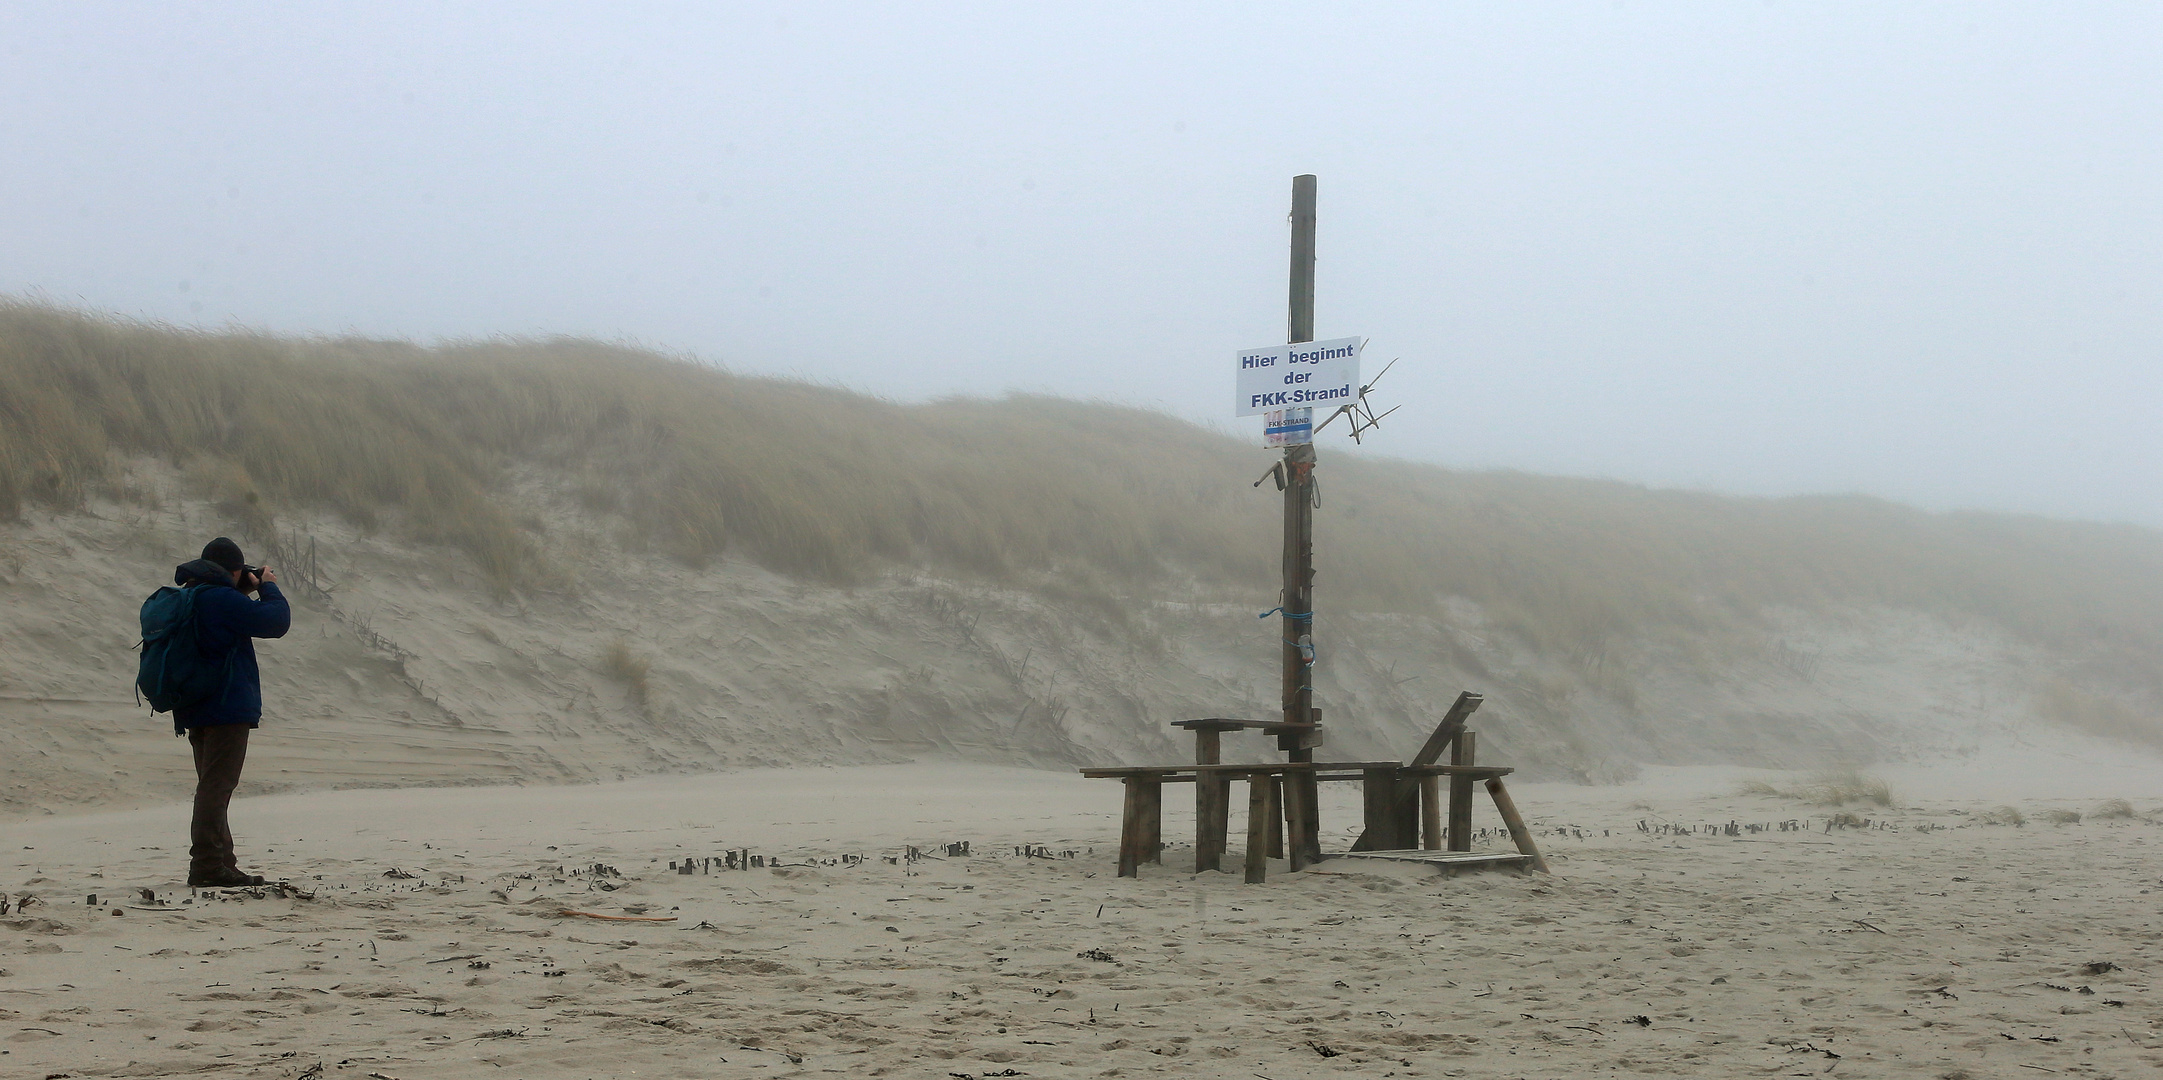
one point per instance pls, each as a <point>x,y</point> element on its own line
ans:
<point>412,672</point>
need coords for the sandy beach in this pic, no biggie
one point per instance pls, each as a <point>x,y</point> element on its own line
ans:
<point>429,937</point>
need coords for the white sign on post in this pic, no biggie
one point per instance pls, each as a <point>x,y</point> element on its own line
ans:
<point>1309,374</point>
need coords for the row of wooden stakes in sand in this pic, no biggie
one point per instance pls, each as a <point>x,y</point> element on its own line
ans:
<point>745,859</point>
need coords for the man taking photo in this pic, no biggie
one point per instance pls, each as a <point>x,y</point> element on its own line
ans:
<point>217,727</point>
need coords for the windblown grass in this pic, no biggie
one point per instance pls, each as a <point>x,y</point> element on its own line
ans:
<point>618,662</point>
<point>2083,708</point>
<point>1830,787</point>
<point>833,485</point>
<point>2112,810</point>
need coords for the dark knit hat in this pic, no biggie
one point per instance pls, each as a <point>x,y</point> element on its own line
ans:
<point>225,553</point>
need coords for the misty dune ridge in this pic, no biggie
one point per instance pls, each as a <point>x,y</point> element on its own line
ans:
<point>1085,504</point>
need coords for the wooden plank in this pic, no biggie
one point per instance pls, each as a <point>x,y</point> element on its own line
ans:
<point>1507,807</point>
<point>1219,723</point>
<point>1172,772</point>
<point>1304,739</point>
<point>1214,723</point>
<point>1445,732</point>
<point>1295,766</point>
<point>1462,751</point>
<point>1476,772</point>
<point>1261,815</point>
<point>1430,812</point>
<point>1445,858</point>
<point>1130,829</point>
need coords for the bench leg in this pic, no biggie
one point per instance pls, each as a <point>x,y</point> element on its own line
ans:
<point>1130,830</point>
<point>1212,820</point>
<point>1430,813</point>
<point>1407,812</point>
<point>1302,820</point>
<point>1378,787</point>
<point>1261,821</point>
<point>1310,809</point>
<point>1295,848</point>
<point>1507,807</point>
<point>1461,753</point>
<point>1152,830</point>
<point>1276,815</point>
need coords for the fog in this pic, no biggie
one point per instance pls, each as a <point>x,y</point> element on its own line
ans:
<point>1910,250</point>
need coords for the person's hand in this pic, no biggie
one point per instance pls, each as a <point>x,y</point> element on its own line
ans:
<point>267,576</point>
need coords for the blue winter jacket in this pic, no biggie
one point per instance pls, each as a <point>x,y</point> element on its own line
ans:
<point>229,620</point>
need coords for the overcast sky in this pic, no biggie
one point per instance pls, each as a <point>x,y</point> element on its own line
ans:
<point>1910,250</point>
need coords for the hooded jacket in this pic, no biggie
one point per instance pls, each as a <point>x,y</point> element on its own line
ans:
<point>228,622</point>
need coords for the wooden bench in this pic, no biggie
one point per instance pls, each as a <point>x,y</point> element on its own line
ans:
<point>1403,806</point>
<point>1141,830</point>
<point>1141,836</point>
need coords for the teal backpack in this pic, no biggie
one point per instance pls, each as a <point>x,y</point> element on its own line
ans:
<point>172,672</point>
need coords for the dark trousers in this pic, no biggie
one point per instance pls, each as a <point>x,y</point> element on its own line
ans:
<point>220,750</point>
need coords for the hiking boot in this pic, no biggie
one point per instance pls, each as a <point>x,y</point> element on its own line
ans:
<point>223,878</point>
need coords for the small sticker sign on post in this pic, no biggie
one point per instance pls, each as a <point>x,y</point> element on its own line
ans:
<point>1288,427</point>
<point>1301,376</point>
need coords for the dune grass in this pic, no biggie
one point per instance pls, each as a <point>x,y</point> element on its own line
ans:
<point>635,672</point>
<point>1099,500</point>
<point>1828,787</point>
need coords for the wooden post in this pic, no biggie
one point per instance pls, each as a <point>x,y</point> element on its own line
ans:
<point>1461,753</point>
<point>1508,809</point>
<point>1276,818</point>
<point>1300,326</point>
<point>1308,838</point>
<point>1208,746</point>
<point>1430,812</point>
<point>1303,827</point>
<point>1295,848</point>
<point>1406,811</point>
<point>1261,814</point>
<point>1152,823</point>
<point>1298,622</point>
<point>1212,820</point>
<point>1379,786</point>
<point>1130,829</point>
<point>1212,803</point>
